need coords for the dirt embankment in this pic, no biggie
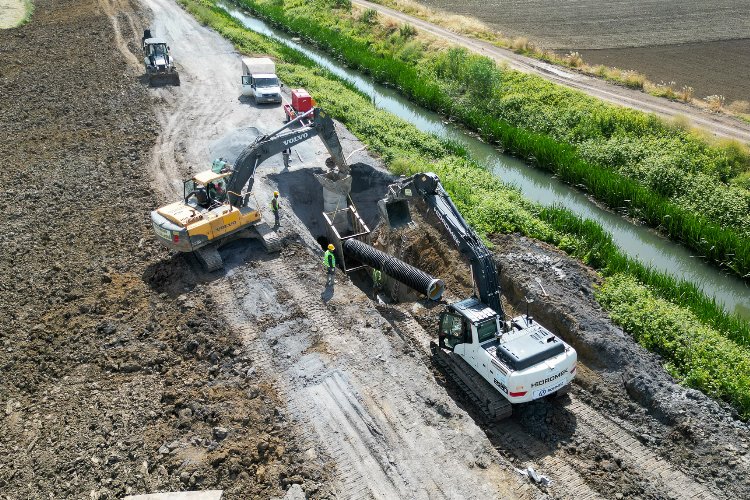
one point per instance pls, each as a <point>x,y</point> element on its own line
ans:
<point>627,417</point>
<point>113,381</point>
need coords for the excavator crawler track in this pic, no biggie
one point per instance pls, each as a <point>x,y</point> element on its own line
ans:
<point>269,237</point>
<point>493,406</point>
<point>209,258</point>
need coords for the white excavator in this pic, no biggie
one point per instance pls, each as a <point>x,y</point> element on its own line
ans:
<point>496,361</point>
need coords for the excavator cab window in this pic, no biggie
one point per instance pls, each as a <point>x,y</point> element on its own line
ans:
<point>198,192</point>
<point>217,191</point>
<point>188,188</point>
<point>487,330</point>
<point>454,330</point>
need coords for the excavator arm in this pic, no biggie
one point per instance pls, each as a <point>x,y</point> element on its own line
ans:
<point>274,143</point>
<point>483,267</point>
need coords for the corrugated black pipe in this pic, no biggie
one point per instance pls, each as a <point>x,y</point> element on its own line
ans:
<point>395,268</point>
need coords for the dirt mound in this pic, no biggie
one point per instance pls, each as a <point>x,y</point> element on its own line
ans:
<point>117,375</point>
<point>616,377</point>
<point>619,377</point>
<point>423,245</point>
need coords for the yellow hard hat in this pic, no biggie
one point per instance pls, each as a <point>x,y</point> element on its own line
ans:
<point>275,193</point>
<point>331,247</point>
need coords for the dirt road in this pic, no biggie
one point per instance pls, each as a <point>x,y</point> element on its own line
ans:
<point>111,381</point>
<point>128,371</point>
<point>716,124</point>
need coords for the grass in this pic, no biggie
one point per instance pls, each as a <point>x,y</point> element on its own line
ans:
<point>666,176</point>
<point>29,11</point>
<point>698,356</point>
<point>488,204</point>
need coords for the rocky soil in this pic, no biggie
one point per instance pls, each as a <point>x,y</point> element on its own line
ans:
<point>111,382</point>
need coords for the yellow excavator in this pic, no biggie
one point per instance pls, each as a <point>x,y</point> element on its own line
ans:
<point>215,206</point>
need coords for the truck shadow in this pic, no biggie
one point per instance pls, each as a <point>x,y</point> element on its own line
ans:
<point>249,101</point>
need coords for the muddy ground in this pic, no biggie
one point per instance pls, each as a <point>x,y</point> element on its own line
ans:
<point>126,370</point>
<point>109,386</point>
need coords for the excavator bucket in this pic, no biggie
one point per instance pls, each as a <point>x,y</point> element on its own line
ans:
<point>161,79</point>
<point>395,212</point>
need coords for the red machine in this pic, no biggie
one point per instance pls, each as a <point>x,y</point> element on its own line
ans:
<point>301,103</point>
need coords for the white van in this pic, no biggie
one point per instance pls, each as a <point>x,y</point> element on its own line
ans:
<point>259,79</point>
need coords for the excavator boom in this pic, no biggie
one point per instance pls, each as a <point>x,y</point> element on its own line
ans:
<point>274,143</point>
<point>483,268</point>
<point>202,220</point>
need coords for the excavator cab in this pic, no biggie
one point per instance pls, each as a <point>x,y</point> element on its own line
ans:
<point>454,330</point>
<point>206,189</point>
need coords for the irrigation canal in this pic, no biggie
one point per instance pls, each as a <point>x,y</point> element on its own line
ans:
<point>636,241</point>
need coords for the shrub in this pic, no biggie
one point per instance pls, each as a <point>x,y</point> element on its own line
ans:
<point>522,44</point>
<point>686,94</point>
<point>573,59</point>
<point>369,16</point>
<point>715,102</point>
<point>407,31</point>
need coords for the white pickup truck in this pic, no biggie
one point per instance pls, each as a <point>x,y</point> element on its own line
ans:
<point>259,80</point>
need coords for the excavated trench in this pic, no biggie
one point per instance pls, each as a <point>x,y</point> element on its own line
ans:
<point>624,415</point>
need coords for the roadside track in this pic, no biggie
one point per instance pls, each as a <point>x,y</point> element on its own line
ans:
<point>716,124</point>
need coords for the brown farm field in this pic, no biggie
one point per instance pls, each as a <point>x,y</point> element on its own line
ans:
<point>705,45</point>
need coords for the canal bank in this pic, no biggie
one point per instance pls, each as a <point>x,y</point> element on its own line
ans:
<point>636,241</point>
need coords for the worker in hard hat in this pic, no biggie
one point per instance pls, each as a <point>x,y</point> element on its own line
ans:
<point>275,206</point>
<point>329,261</point>
<point>377,282</point>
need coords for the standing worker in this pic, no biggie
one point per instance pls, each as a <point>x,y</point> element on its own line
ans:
<point>329,261</point>
<point>275,206</point>
<point>377,282</point>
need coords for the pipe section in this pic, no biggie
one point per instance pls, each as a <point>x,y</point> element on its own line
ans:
<point>395,268</point>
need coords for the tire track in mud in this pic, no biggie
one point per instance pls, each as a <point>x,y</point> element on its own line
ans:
<point>204,107</point>
<point>675,483</point>
<point>568,473</point>
<point>360,414</point>
<point>330,391</point>
<point>115,9</point>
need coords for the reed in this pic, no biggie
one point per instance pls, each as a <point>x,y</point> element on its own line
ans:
<point>581,148</point>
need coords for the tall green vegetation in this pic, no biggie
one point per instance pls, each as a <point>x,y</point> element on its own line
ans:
<point>698,356</point>
<point>653,171</point>
<point>493,207</point>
